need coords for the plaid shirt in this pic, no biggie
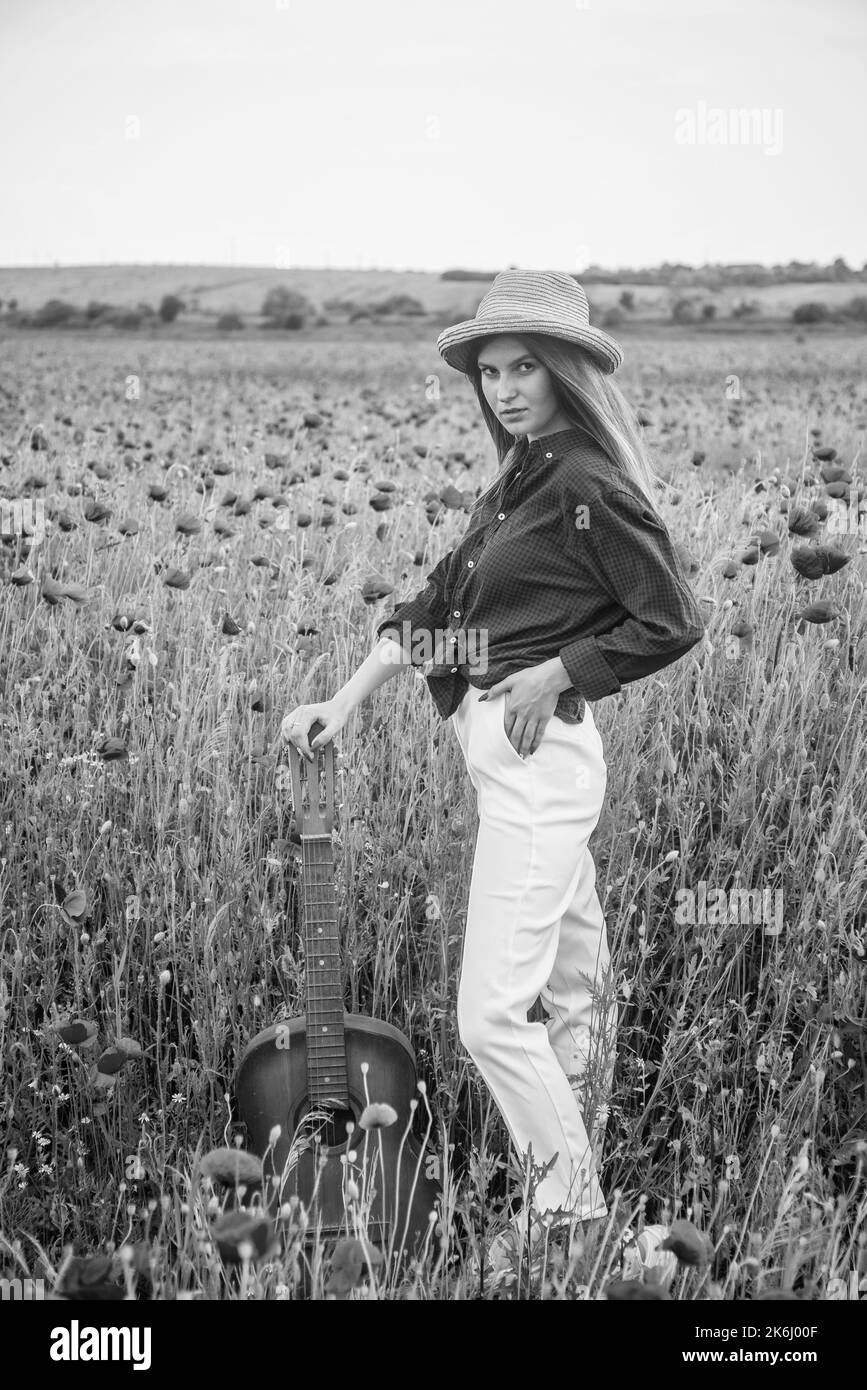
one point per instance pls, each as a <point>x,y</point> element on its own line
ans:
<point>574,563</point>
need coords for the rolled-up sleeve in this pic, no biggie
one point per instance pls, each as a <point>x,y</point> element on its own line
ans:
<point>424,613</point>
<point>632,558</point>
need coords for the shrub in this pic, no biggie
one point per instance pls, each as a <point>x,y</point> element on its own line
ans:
<point>458,274</point>
<point>340,306</point>
<point>810,312</point>
<point>708,311</point>
<point>170,307</point>
<point>683,311</point>
<point>613,317</point>
<point>53,312</point>
<point>359,314</point>
<point>125,318</point>
<point>229,323</point>
<point>627,300</point>
<point>97,309</point>
<point>855,308</point>
<point>745,309</point>
<point>398,304</point>
<point>280,302</point>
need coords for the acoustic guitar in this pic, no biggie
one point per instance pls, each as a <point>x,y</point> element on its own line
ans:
<point>305,1075</point>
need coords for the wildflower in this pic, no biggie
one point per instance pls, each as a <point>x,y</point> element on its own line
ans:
<point>112,750</point>
<point>347,1265</point>
<point>75,903</point>
<point>234,1167</point>
<point>111,1061</point>
<point>243,1235</point>
<point>632,1290</point>
<point>688,1243</point>
<point>377,1115</point>
<point>77,1033</point>
<point>432,910</point>
<point>86,1277</point>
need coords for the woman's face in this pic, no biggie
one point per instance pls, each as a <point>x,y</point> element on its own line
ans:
<point>514,380</point>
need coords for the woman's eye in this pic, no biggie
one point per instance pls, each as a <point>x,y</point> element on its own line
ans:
<point>485,370</point>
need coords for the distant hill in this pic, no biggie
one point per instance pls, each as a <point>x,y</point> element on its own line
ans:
<point>209,291</point>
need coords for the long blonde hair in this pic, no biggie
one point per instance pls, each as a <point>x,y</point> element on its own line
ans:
<point>590,399</point>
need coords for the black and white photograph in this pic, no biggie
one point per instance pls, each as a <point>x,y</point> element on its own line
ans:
<point>433,669</point>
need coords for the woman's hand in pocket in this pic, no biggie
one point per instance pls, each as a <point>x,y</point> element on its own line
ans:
<point>530,702</point>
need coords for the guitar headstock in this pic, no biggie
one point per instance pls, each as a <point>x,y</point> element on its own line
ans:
<point>317,817</point>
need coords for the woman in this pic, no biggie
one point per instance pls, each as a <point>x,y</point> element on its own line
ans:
<point>565,587</point>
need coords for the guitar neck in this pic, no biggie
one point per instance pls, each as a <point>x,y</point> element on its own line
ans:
<point>326,1044</point>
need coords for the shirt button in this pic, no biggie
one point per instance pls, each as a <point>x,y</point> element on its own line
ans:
<point>470,564</point>
<point>454,670</point>
<point>549,456</point>
<point>502,516</point>
<point>456,613</point>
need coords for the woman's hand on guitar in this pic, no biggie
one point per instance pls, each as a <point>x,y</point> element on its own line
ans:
<point>296,725</point>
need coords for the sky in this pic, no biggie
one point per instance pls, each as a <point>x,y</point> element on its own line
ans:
<point>546,134</point>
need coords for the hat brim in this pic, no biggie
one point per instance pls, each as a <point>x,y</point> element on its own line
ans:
<point>455,344</point>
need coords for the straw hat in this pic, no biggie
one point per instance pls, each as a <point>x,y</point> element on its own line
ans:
<point>530,301</point>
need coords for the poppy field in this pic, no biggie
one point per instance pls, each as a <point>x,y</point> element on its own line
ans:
<point>198,536</point>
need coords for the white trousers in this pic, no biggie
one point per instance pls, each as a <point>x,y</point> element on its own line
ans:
<point>535,929</point>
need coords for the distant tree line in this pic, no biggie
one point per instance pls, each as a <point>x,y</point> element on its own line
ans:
<point>712,277</point>
<point>282,308</point>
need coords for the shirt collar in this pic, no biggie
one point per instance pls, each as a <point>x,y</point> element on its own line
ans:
<point>558,443</point>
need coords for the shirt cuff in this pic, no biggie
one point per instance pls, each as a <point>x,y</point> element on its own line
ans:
<point>419,618</point>
<point>590,673</point>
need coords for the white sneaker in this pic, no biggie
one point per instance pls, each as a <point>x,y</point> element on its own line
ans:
<point>509,1246</point>
<point>643,1259</point>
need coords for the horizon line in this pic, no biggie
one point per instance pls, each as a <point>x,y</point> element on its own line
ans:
<point>416,270</point>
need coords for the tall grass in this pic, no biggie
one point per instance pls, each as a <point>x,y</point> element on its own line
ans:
<point>738,1097</point>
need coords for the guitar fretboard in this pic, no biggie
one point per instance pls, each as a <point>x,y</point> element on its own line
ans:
<point>326,1045</point>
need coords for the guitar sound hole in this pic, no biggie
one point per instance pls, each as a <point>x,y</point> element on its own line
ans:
<point>331,1132</point>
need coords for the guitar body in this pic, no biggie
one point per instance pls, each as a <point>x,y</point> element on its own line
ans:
<point>272,1089</point>
<point>307,1076</point>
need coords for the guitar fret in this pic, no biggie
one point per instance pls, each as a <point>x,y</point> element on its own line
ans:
<point>326,1051</point>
